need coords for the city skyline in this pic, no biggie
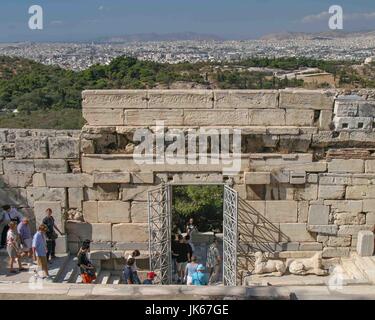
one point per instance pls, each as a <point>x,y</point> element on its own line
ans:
<point>83,20</point>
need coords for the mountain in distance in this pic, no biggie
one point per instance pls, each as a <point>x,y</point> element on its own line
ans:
<point>147,37</point>
<point>327,35</point>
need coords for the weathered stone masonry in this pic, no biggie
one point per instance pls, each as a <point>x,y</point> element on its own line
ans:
<point>306,182</point>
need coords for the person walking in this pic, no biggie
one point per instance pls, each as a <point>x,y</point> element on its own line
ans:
<point>199,278</point>
<point>190,226</point>
<point>51,235</point>
<point>13,248</point>
<point>134,255</point>
<point>213,262</point>
<point>182,257</point>
<point>39,246</point>
<point>87,270</point>
<point>9,214</point>
<point>191,268</point>
<point>128,272</point>
<point>26,238</point>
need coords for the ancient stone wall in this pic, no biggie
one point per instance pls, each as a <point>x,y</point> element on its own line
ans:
<point>305,184</point>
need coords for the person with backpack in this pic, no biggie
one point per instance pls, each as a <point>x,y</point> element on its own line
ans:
<point>88,271</point>
<point>199,278</point>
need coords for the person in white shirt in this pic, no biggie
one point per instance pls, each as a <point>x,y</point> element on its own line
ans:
<point>133,255</point>
<point>9,214</point>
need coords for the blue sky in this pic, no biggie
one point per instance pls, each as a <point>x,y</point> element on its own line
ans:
<point>76,20</point>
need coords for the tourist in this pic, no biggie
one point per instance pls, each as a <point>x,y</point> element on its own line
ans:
<point>13,248</point>
<point>26,237</point>
<point>214,262</point>
<point>87,270</point>
<point>128,272</point>
<point>199,278</point>
<point>134,255</point>
<point>39,247</point>
<point>191,268</point>
<point>176,229</point>
<point>190,227</point>
<point>191,246</point>
<point>174,249</point>
<point>51,235</point>
<point>182,258</point>
<point>9,214</point>
<point>150,278</point>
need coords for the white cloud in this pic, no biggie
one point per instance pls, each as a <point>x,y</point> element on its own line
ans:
<point>101,8</point>
<point>325,16</point>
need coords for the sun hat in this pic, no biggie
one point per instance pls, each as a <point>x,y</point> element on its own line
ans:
<point>201,267</point>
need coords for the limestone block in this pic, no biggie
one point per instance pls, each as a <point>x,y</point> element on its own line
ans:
<point>20,166</point>
<point>310,246</point>
<point>87,146</point>
<point>370,218</point>
<point>46,194</point>
<point>366,108</point>
<point>332,252</point>
<point>350,218</point>
<point>312,178</point>
<point>7,150</point>
<point>350,123</point>
<point>13,196</point>
<point>360,192</point>
<point>114,99</point>
<point>346,108</point>
<point>39,180</point>
<point>353,229</point>
<point>149,117</point>
<point>63,147</point>
<point>287,246</point>
<point>370,166</point>
<point>318,214</point>
<point>40,208</point>
<point>280,176</point>
<point>325,119</point>
<point>330,229</point>
<point>257,177</point>
<point>306,192</point>
<point>281,211</point>
<point>296,232</point>
<point>51,166</point>
<point>180,99</point>
<point>342,241</point>
<point>216,117</point>
<point>262,117</point>
<point>142,177</point>
<point>3,135</point>
<point>295,143</point>
<point>78,231</point>
<point>252,208</point>
<point>18,179</point>
<point>346,166</point>
<point>134,192</point>
<point>69,180</point>
<point>31,148</point>
<point>90,211</point>
<point>103,117</point>
<point>302,211</point>
<point>61,245</point>
<point>139,211</point>
<point>354,206</point>
<point>107,192</point>
<point>331,192</point>
<point>101,231</point>
<point>297,177</point>
<point>283,130</point>
<point>335,179</point>
<point>75,196</point>
<point>113,211</point>
<point>111,177</point>
<point>299,117</point>
<point>306,99</point>
<point>194,178</point>
<point>130,232</point>
<point>246,99</point>
<point>365,243</point>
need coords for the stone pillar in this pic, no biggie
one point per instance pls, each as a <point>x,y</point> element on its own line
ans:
<point>365,243</point>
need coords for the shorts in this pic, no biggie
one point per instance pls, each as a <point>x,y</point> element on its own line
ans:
<point>42,262</point>
<point>12,252</point>
<point>181,266</point>
<point>189,280</point>
<point>26,246</point>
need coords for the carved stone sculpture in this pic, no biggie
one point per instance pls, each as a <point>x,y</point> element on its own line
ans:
<point>262,265</point>
<point>307,266</point>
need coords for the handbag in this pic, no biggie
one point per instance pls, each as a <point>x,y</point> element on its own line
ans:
<point>52,236</point>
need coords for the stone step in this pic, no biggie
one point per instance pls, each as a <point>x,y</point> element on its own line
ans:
<point>103,277</point>
<point>69,271</point>
<point>79,278</point>
<point>354,273</point>
<point>366,266</point>
<point>114,279</point>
